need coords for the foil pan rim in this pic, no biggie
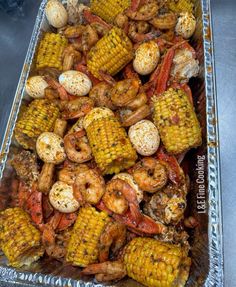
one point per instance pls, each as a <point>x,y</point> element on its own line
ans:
<point>215,275</point>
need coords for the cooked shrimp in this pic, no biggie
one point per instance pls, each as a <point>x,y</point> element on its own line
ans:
<point>120,196</point>
<point>121,20</point>
<point>77,147</point>
<point>74,31</point>
<point>89,186</point>
<point>139,101</point>
<point>100,94</point>
<point>145,12</point>
<point>137,36</point>
<point>164,21</point>
<point>129,117</point>
<point>113,237</point>
<point>150,174</point>
<point>70,57</point>
<point>68,173</point>
<point>49,238</point>
<point>58,87</point>
<point>106,271</point>
<point>89,38</point>
<point>124,91</point>
<point>76,108</point>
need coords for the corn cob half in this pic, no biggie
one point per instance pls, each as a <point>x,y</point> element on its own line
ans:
<point>39,117</point>
<point>19,239</point>
<point>110,144</point>
<point>111,53</point>
<point>108,9</point>
<point>176,121</point>
<point>180,6</point>
<point>82,249</point>
<point>155,263</point>
<point>50,51</point>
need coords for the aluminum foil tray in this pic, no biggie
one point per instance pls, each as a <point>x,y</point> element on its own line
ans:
<point>205,196</point>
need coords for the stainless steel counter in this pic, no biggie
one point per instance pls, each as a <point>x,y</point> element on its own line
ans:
<point>15,34</point>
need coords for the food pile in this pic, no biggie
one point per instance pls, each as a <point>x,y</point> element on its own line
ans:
<point>99,178</point>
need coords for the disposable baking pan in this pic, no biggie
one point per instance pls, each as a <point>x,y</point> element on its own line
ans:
<point>204,169</point>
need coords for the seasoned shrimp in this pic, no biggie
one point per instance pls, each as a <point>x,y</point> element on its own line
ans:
<point>145,12</point>
<point>139,101</point>
<point>106,271</point>
<point>69,172</point>
<point>89,38</point>
<point>89,186</point>
<point>138,37</point>
<point>49,238</point>
<point>74,31</point>
<point>113,237</point>
<point>76,108</point>
<point>100,94</point>
<point>77,147</point>
<point>164,21</point>
<point>70,57</point>
<point>129,117</point>
<point>150,174</point>
<point>124,91</point>
<point>120,196</point>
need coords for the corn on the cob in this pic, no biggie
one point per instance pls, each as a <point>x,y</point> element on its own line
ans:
<point>110,144</point>
<point>155,263</point>
<point>19,239</point>
<point>82,249</point>
<point>176,121</point>
<point>111,53</point>
<point>108,9</point>
<point>39,117</point>
<point>180,6</point>
<point>50,51</point>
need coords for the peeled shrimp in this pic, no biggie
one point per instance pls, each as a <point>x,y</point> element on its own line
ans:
<point>164,21</point>
<point>150,174</point>
<point>89,186</point>
<point>124,91</point>
<point>113,237</point>
<point>129,117</point>
<point>76,108</point>
<point>145,12</point>
<point>120,196</point>
<point>68,173</point>
<point>106,271</point>
<point>77,147</point>
<point>100,94</point>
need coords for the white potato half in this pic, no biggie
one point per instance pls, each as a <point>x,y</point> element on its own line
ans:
<point>146,58</point>
<point>130,180</point>
<point>62,199</point>
<point>75,83</point>
<point>35,87</point>
<point>50,148</point>
<point>56,14</point>
<point>145,137</point>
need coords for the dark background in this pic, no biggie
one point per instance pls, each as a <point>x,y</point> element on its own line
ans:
<point>15,33</point>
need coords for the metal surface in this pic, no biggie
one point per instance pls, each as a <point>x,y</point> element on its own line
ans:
<point>3,116</point>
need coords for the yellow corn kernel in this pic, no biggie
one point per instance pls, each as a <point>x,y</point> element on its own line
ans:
<point>39,117</point>
<point>176,121</point>
<point>82,249</point>
<point>180,6</point>
<point>110,145</point>
<point>108,9</point>
<point>50,51</point>
<point>20,240</point>
<point>111,53</point>
<point>155,263</point>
